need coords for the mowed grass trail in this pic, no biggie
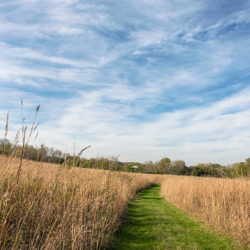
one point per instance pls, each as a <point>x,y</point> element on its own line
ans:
<point>153,223</point>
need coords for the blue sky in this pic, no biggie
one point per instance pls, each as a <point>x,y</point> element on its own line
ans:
<point>140,80</point>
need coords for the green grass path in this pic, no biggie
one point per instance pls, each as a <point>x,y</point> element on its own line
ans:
<point>153,223</point>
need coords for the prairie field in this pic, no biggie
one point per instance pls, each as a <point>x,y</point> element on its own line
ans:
<point>53,207</point>
<point>48,206</point>
<point>224,204</point>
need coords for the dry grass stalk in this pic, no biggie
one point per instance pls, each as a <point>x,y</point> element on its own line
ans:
<point>13,184</point>
<point>6,131</point>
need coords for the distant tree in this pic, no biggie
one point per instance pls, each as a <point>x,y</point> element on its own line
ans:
<point>248,167</point>
<point>58,153</point>
<point>41,154</point>
<point>30,153</point>
<point>149,167</point>
<point>209,169</point>
<point>178,168</point>
<point>5,146</point>
<point>241,168</point>
<point>163,166</point>
<point>198,170</point>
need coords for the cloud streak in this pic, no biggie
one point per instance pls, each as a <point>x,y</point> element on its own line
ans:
<point>142,80</point>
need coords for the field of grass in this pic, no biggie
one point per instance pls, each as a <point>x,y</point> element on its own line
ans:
<point>53,207</point>
<point>223,204</point>
<point>46,206</point>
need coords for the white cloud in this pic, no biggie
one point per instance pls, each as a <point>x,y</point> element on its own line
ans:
<point>218,132</point>
<point>149,37</point>
<point>114,82</point>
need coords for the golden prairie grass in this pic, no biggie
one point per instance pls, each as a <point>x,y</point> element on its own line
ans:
<point>224,204</point>
<point>56,207</point>
<point>53,207</point>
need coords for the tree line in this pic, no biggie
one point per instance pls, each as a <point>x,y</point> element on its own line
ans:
<point>164,166</point>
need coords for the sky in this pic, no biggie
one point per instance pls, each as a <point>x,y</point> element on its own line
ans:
<point>138,80</point>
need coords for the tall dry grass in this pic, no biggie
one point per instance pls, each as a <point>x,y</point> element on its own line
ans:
<point>53,207</point>
<point>222,203</point>
<point>56,207</point>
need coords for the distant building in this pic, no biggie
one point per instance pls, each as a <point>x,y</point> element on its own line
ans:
<point>134,168</point>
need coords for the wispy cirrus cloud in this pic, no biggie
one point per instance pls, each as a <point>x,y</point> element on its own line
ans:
<point>142,79</point>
